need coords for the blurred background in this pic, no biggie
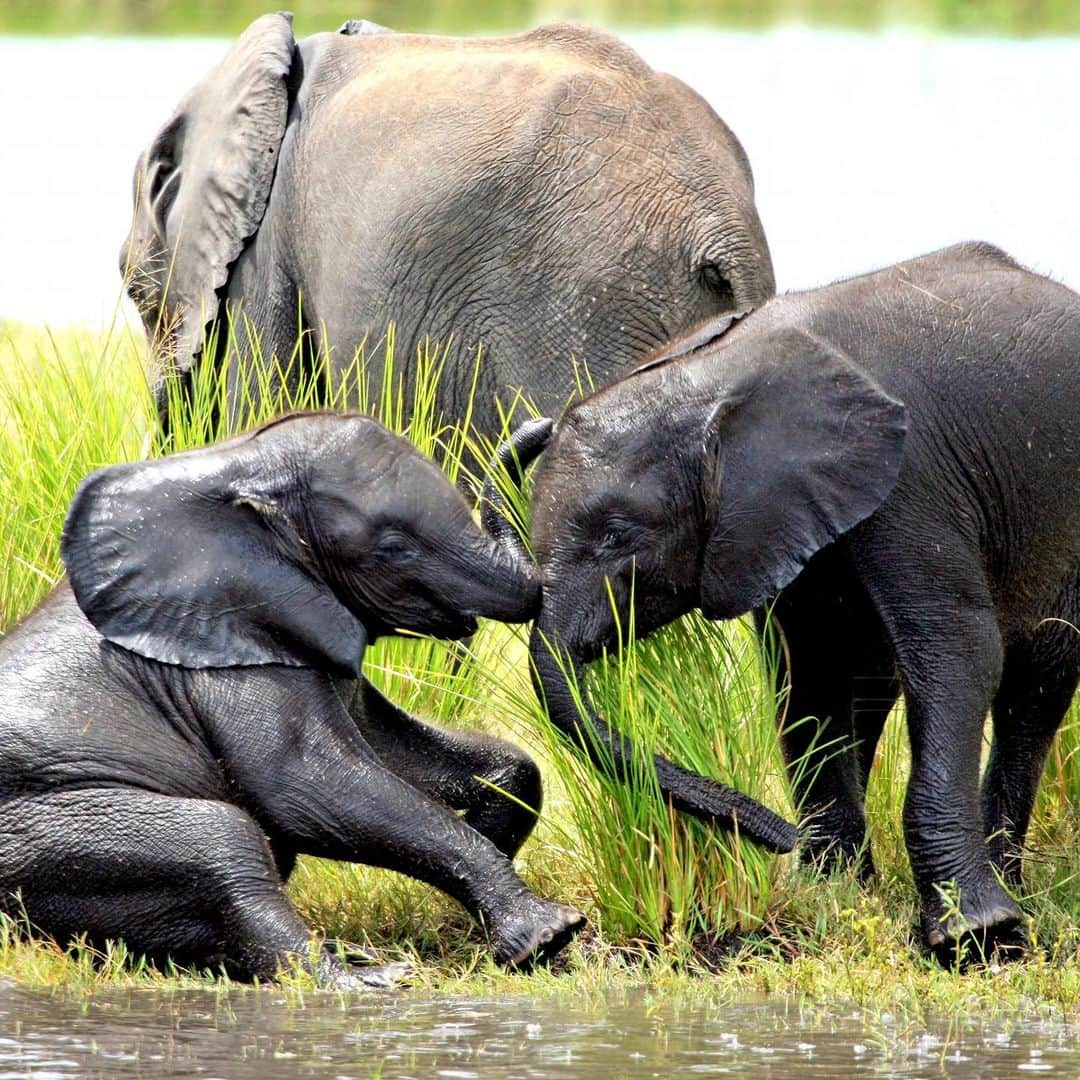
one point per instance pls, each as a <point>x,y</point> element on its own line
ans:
<point>461,16</point>
<point>876,131</point>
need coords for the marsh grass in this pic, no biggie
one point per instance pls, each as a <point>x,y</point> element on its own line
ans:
<point>666,897</point>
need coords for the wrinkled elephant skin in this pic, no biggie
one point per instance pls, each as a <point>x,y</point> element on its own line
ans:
<point>546,196</point>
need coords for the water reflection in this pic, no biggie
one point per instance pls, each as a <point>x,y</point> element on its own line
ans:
<point>259,1034</point>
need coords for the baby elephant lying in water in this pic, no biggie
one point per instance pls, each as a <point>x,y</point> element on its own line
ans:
<point>898,457</point>
<point>186,716</point>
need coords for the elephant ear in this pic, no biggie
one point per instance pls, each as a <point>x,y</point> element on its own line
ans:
<point>801,447</point>
<point>362,28</point>
<point>202,186</point>
<point>192,561</point>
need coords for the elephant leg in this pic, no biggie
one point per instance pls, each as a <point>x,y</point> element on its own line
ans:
<point>192,880</point>
<point>284,858</point>
<point>496,784</point>
<point>937,607</point>
<point>840,672</point>
<point>1038,681</point>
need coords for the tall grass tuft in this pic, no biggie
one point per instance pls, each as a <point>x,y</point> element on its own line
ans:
<point>69,403</point>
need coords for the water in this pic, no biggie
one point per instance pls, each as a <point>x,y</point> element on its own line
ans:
<point>260,1034</point>
<point>865,148</point>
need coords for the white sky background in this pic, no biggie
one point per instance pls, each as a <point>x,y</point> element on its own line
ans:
<point>866,149</point>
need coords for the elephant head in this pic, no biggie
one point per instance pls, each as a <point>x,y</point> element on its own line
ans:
<point>295,544</point>
<point>706,478</point>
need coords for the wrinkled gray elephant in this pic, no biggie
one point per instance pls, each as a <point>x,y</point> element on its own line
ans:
<point>546,196</point>
<point>898,457</point>
<point>187,714</point>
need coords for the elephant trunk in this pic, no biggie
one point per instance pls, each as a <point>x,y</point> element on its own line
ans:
<point>492,583</point>
<point>558,678</point>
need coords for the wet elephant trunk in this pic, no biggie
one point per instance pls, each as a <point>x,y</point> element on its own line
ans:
<point>558,676</point>
<point>494,584</point>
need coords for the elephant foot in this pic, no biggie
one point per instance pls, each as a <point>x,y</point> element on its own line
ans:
<point>533,931</point>
<point>332,974</point>
<point>974,926</point>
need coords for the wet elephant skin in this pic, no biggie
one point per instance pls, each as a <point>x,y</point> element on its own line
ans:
<point>186,714</point>
<point>891,463</point>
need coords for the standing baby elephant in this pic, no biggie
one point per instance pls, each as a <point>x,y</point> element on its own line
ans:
<point>187,715</point>
<point>898,457</point>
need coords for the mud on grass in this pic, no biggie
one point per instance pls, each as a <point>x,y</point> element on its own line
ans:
<point>684,909</point>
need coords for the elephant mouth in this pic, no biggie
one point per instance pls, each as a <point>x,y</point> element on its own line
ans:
<point>444,627</point>
<point>587,652</point>
<point>594,643</point>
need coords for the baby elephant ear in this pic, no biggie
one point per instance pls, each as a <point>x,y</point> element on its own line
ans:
<point>801,447</point>
<point>186,561</point>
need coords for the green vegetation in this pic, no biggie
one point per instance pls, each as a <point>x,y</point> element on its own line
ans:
<point>688,909</point>
<point>213,18</point>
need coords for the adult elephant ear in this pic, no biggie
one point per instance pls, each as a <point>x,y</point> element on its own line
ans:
<point>800,447</point>
<point>198,560</point>
<point>202,186</point>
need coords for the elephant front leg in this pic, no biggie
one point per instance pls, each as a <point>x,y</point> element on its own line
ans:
<point>365,813</point>
<point>319,785</point>
<point>495,784</point>
<point>963,903</point>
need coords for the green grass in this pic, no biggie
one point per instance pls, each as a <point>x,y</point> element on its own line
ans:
<point>668,899</point>
<point>209,17</point>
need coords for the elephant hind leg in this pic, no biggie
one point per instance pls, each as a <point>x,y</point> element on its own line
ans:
<point>842,688</point>
<point>1038,681</point>
<point>495,784</point>
<point>192,880</point>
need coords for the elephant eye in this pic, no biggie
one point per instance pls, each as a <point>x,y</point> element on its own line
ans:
<point>396,545</point>
<point>616,533</point>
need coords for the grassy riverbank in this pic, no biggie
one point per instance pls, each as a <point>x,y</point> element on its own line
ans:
<point>204,17</point>
<point>692,911</point>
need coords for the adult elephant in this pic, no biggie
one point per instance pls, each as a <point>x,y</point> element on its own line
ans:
<point>897,457</point>
<point>545,188</point>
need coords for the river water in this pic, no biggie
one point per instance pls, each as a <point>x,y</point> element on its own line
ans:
<point>256,1035</point>
<point>865,148</point>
